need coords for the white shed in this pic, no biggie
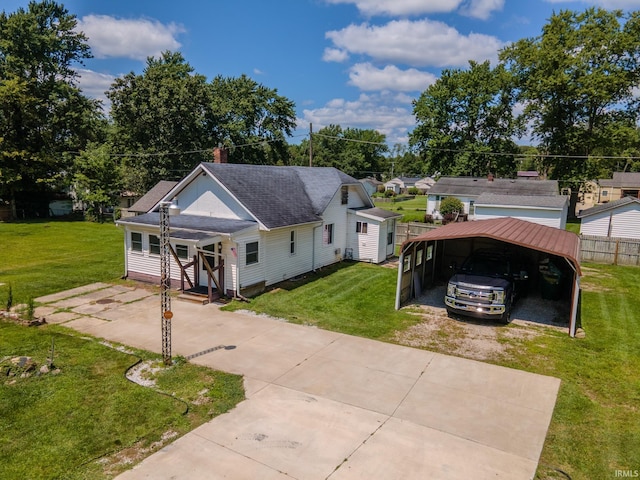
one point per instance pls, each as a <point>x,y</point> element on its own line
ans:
<point>620,219</point>
<point>549,210</point>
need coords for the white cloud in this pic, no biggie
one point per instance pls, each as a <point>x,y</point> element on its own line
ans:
<point>482,8</point>
<point>367,77</point>
<point>129,38</point>
<point>416,43</point>
<point>380,112</point>
<point>94,85</point>
<point>335,55</point>
<point>473,8</point>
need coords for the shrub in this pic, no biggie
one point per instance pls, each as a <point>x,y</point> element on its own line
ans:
<point>451,205</point>
<point>428,218</point>
<point>389,193</point>
<point>413,191</point>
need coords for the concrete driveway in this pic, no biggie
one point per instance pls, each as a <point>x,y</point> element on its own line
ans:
<point>322,405</point>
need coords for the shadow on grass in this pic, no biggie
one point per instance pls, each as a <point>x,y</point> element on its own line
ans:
<point>302,280</point>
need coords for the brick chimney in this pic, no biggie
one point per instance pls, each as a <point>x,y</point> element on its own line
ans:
<point>220,155</point>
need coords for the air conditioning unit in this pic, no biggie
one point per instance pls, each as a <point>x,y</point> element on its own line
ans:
<point>338,251</point>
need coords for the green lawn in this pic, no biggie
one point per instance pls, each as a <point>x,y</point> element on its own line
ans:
<point>74,424</point>
<point>79,423</point>
<point>39,258</point>
<point>595,428</point>
<point>413,210</point>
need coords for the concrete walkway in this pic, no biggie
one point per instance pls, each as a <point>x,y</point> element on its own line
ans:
<point>322,405</point>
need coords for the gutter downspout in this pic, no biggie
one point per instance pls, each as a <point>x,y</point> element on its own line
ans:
<point>399,280</point>
<point>313,248</point>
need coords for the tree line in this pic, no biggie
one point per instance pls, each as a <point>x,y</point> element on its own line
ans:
<point>572,90</point>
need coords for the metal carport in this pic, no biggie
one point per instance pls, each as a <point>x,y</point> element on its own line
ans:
<point>425,259</point>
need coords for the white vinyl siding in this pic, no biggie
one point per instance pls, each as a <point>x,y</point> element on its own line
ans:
<point>204,196</point>
<point>253,273</point>
<point>621,222</point>
<point>280,264</point>
<point>544,216</point>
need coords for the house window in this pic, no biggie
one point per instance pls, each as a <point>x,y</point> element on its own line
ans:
<point>419,258</point>
<point>251,253</point>
<point>292,243</point>
<point>345,195</point>
<point>136,241</point>
<point>605,193</point>
<point>154,245</point>
<point>361,227</point>
<point>429,252</point>
<point>472,207</point>
<point>389,238</point>
<point>327,235</point>
<point>182,251</point>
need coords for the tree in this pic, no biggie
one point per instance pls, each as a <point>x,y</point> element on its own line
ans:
<point>160,117</point>
<point>253,117</point>
<point>451,205</point>
<point>402,161</point>
<point>577,83</point>
<point>463,118</point>
<point>43,113</point>
<point>356,152</point>
<point>97,178</point>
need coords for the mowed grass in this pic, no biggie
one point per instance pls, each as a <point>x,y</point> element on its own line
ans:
<point>75,424</point>
<point>595,428</point>
<point>413,210</point>
<point>353,298</point>
<point>39,258</point>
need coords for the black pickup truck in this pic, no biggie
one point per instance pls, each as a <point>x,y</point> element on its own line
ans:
<point>487,285</point>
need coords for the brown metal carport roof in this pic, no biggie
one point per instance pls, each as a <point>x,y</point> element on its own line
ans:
<point>512,230</point>
<point>518,232</point>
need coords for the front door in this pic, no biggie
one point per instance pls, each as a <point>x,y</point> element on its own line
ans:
<point>211,260</point>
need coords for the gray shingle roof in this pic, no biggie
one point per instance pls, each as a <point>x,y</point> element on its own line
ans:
<point>281,196</point>
<point>472,186</point>
<point>542,201</point>
<point>193,227</point>
<point>152,197</point>
<point>377,212</point>
<point>608,206</point>
<point>626,179</point>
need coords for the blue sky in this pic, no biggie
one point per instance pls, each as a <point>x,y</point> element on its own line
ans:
<point>356,63</point>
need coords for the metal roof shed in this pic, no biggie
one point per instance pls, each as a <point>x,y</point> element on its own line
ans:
<point>419,256</point>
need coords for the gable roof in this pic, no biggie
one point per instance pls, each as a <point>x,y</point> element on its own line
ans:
<point>152,197</point>
<point>540,201</point>
<point>512,230</point>
<point>626,179</point>
<point>608,206</point>
<point>280,196</point>
<point>473,186</point>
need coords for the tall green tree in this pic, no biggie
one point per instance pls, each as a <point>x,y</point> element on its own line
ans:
<point>577,83</point>
<point>357,152</point>
<point>464,117</point>
<point>97,178</point>
<point>253,117</point>
<point>160,117</point>
<point>43,113</point>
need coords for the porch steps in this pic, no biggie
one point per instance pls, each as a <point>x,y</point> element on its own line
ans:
<point>194,298</point>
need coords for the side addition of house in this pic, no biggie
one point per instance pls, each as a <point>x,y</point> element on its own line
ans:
<point>245,227</point>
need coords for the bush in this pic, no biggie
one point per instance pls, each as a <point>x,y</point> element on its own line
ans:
<point>428,218</point>
<point>413,191</point>
<point>389,193</point>
<point>451,205</point>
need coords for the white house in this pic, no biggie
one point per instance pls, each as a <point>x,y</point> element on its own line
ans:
<point>549,210</point>
<point>619,218</point>
<point>246,227</point>
<point>371,185</point>
<point>468,189</point>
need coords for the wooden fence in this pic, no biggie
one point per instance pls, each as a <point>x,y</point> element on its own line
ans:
<point>616,251</point>
<point>612,251</point>
<point>407,231</point>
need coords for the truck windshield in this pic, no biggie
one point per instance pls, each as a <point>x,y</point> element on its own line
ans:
<point>492,266</point>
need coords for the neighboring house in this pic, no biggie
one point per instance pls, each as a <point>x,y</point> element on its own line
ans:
<point>619,218</point>
<point>623,184</point>
<point>468,189</point>
<point>371,185</point>
<point>149,200</point>
<point>549,210</point>
<point>257,225</point>
<point>403,184</point>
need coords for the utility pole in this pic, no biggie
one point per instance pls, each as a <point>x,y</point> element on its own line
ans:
<point>310,144</point>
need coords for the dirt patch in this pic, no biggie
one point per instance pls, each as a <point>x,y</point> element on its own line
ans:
<point>477,339</point>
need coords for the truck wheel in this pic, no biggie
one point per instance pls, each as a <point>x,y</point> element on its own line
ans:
<point>506,317</point>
